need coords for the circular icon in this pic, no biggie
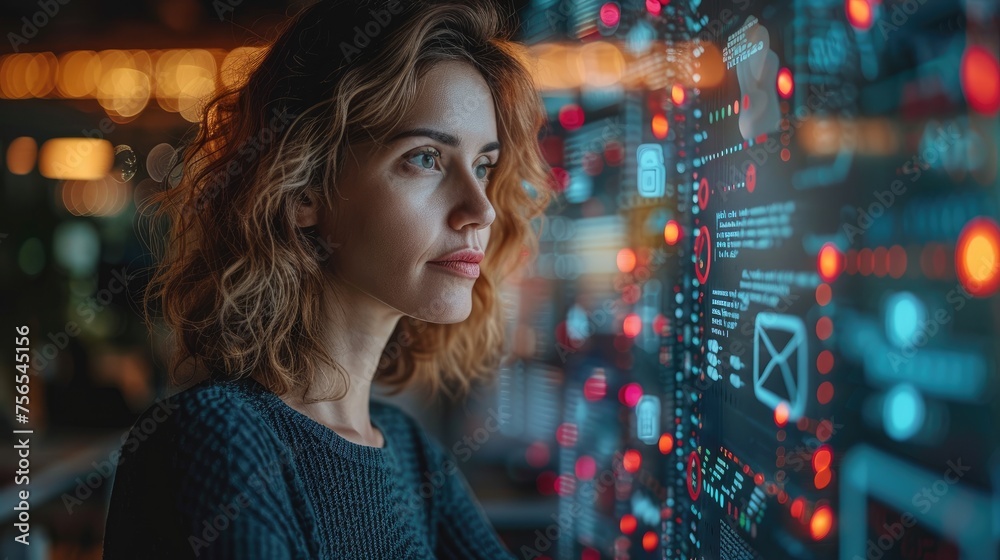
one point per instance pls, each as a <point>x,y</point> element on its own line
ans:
<point>694,475</point>
<point>703,193</point>
<point>702,254</point>
<point>751,179</point>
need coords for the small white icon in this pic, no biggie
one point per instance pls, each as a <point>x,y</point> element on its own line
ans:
<point>647,419</point>
<point>652,173</point>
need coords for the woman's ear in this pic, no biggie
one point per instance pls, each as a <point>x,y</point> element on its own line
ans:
<point>306,210</point>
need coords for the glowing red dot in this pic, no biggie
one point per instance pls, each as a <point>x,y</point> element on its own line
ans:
<point>631,460</point>
<point>632,325</point>
<point>610,14</point>
<point>823,294</point>
<point>630,394</point>
<point>586,467</point>
<point>654,7</point>
<point>614,153</point>
<point>881,257</point>
<point>594,388</point>
<point>797,508</point>
<point>866,261</point>
<point>571,116</point>
<point>824,393</point>
<point>537,454</point>
<point>666,443</point>
<point>824,328</point>
<point>786,85</point>
<point>650,540</point>
<point>558,179</point>
<point>822,479</point>
<point>822,458</point>
<point>980,77</point>
<point>831,262</point>
<point>565,485</point>
<point>824,362</point>
<point>566,434</point>
<point>628,524</point>
<point>897,261</point>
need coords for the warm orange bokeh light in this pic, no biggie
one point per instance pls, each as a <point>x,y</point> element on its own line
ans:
<point>821,522</point>
<point>632,460</point>
<point>785,83</point>
<point>666,443</point>
<point>632,325</point>
<point>980,77</point>
<point>859,14</point>
<point>831,262</point>
<point>678,95</point>
<point>781,414</point>
<point>977,257</point>
<point>660,126</point>
<point>628,524</point>
<point>672,232</point>
<point>822,458</point>
<point>626,260</point>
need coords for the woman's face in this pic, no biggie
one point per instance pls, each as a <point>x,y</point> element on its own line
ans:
<point>418,198</point>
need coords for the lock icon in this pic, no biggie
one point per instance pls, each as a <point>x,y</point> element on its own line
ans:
<point>651,177</point>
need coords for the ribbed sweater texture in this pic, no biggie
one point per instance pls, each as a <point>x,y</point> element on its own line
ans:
<point>226,469</point>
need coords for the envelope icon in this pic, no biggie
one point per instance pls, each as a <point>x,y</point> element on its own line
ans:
<point>780,356</point>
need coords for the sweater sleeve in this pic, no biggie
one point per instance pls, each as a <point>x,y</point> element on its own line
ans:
<point>463,529</point>
<point>205,484</point>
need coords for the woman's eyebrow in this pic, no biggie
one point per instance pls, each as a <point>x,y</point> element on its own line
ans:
<point>443,137</point>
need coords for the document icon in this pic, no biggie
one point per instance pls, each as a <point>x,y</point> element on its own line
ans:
<point>780,356</point>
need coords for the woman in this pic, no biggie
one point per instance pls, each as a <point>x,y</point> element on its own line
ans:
<point>345,217</point>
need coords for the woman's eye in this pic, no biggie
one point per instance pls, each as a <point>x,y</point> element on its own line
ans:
<point>485,168</point>
<point>426,157</point>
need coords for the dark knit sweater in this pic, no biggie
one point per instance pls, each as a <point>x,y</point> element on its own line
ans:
<point>226,469</point>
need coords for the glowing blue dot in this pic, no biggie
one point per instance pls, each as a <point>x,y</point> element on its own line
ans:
<point>905,314</point>
<point>903,412</point>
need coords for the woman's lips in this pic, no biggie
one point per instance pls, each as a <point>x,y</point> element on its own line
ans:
<point>462,268</point>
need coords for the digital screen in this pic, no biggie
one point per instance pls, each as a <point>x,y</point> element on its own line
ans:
<point>772,278</point>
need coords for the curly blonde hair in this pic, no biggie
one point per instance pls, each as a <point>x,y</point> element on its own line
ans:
<point>240,286</point>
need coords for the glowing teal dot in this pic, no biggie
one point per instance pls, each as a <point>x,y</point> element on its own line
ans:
<point>904,316</point>
<point>903,412</point>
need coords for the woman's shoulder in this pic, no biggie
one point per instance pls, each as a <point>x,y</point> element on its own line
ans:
<point>213,414</point>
